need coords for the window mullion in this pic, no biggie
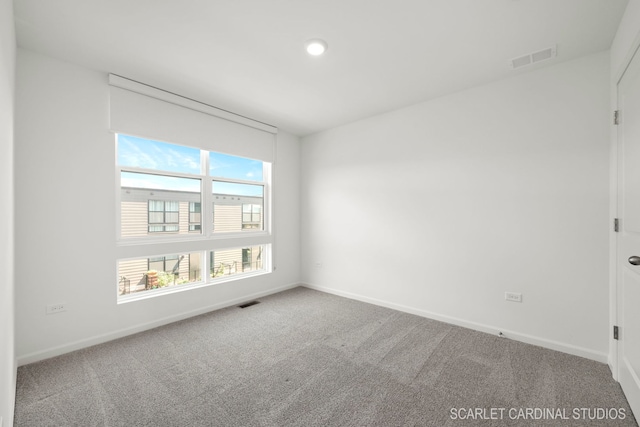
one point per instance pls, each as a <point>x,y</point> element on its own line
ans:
<point>144,171</point>
<point>205,198</point>
<point>237,181</point>
<point>206,212</point>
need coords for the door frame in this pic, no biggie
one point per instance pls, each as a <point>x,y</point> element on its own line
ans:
<point>613,206</point>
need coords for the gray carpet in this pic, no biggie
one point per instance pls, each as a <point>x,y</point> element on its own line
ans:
<point>305,358</point>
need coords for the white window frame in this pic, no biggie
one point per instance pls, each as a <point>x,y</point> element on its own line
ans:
<point>168,244</point>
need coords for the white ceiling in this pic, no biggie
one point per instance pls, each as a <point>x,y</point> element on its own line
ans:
<point>247,56</point>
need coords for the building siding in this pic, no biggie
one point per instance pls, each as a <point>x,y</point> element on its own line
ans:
<point>227,217</point>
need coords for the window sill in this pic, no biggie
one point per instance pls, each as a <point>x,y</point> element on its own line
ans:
<point>138,296</point>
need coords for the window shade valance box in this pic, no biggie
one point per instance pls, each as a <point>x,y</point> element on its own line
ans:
<point>148,112</point>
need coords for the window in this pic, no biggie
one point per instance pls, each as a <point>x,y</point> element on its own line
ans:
<point>194,216</point>
<point>231,262</point>
<point>163,216</point>
<point>146,274</point>
<point>165,263</point>
<point>150,204</point>
<point>246,259</point>
<point>230,200</point>
<point>251,216</point>
<point>165,192</point>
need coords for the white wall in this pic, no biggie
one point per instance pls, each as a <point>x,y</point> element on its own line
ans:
<point>65,195</point>
<point>7,354</point>
<point>439,208</point>
<point>626,39</point>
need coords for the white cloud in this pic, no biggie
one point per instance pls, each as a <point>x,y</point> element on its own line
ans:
<point>134,156</point>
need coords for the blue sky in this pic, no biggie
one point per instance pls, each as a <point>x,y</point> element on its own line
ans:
<point>234,167</point>
<point>161,156</point>
<point>148,154</point>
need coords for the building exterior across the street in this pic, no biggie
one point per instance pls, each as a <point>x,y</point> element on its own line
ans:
<point>146,212</point>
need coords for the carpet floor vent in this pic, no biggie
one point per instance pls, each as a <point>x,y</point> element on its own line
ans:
<point>248,304</point>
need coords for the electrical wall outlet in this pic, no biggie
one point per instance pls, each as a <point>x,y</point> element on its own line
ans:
<point>512,296</point>
<point>56,308</point>
<point>318,265</point>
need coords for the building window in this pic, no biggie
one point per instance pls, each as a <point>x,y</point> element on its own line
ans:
<point>246,259</point>
<point>169,263</point>
<point>165,192</point>
<point>163,216</point>
<point>251,217</point>
<point>194,216</point>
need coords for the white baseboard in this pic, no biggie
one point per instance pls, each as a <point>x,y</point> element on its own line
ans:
<point>99,339</point>
<point>613,360</point>
<point>529,339</point>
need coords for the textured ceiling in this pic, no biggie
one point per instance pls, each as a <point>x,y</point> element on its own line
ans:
<point>248,56</point>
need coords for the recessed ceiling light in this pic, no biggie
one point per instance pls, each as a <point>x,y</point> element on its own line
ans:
<point>316,47</point>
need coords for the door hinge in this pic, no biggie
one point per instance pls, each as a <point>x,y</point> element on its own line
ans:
<point>616,224</point>
<point>616,117</point>
<point>615,332</point>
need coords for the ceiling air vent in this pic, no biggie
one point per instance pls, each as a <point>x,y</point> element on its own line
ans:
<point>532,58</point>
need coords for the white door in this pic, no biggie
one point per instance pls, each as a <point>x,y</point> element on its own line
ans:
<point>628,250</point>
